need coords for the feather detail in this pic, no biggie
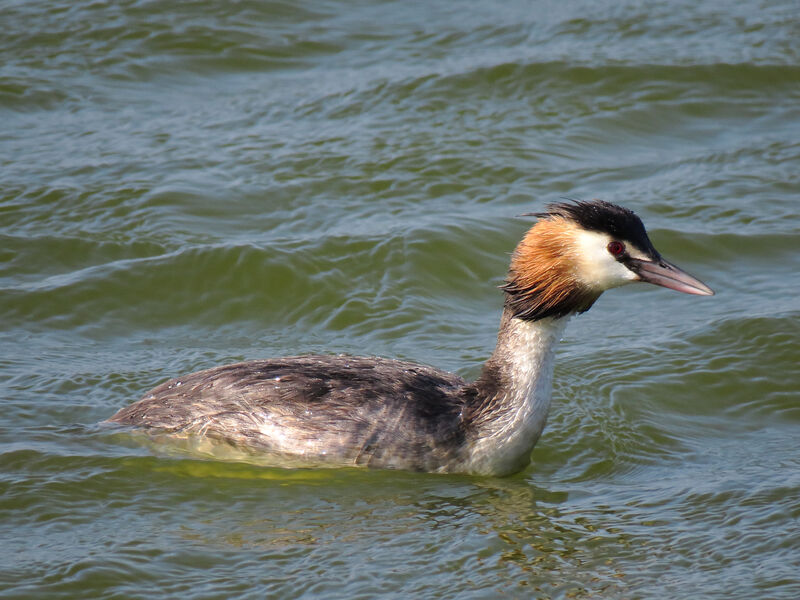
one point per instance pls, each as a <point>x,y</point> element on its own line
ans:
<point>544,278</point>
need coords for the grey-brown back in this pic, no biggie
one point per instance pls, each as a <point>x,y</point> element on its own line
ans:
<point>318,409</point>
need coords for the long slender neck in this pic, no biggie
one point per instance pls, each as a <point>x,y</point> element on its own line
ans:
<point>506,407</point>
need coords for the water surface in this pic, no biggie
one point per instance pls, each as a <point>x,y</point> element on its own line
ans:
<point>189,185</point>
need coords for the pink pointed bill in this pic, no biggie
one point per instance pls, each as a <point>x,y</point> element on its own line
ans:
<point>669,276</point>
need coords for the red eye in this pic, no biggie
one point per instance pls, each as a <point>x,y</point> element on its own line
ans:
<point>616,248</point>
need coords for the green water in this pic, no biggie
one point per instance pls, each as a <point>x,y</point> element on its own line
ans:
<point>189,184</point>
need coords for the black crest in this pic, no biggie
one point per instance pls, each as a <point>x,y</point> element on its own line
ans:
<point>605,217</point>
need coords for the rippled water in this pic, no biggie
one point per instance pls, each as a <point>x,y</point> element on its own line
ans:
<point>185,185</point>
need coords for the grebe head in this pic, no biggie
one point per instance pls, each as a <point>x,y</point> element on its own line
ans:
<point>576,251</point>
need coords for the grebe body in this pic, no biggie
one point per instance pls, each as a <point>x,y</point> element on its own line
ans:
<point>382,413</point>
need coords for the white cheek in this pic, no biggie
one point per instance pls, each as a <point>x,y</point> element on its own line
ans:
<point>596,267</point>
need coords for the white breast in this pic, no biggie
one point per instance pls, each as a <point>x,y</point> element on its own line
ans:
<point>504,442</point>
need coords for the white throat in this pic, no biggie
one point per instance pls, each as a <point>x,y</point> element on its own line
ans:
<point>515,417</point>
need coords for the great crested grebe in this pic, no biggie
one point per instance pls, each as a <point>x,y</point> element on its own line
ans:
<point>382,413</point>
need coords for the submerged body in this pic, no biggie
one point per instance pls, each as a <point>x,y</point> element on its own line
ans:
<point>353,411</point>
<point>373,412</point>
